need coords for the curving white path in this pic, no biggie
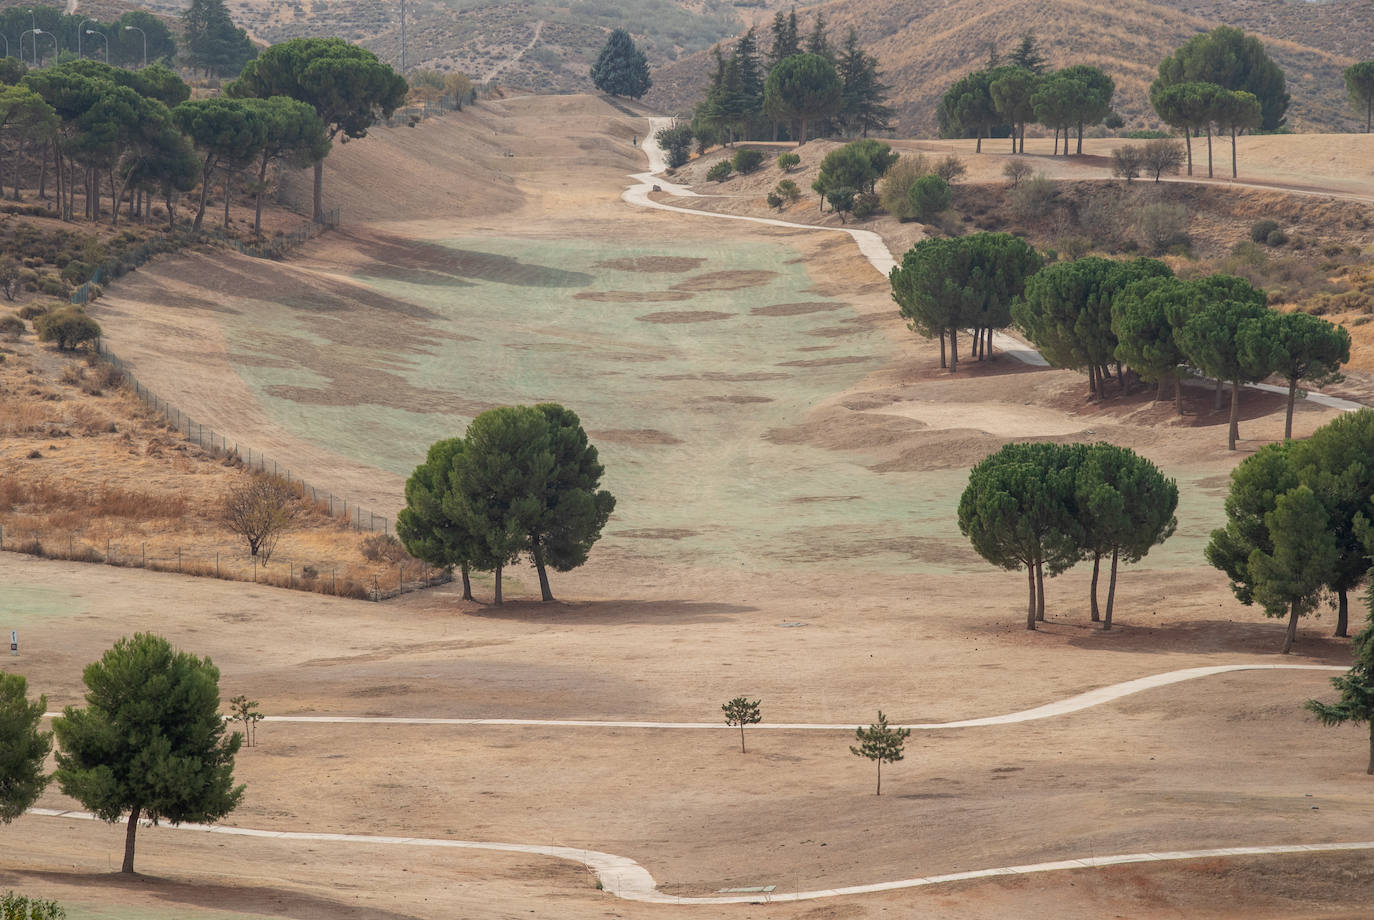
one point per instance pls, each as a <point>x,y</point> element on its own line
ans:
<point>1049,710</point>
<point>873,248</point>
<point>627,879</point>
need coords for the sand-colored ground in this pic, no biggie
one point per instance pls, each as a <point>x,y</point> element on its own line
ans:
<point>817,569</point>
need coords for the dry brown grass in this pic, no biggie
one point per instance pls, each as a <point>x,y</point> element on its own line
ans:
<point>88,472</point>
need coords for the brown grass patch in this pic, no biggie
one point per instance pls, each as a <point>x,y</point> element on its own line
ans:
<point>795,309</point>
<point>684,316</point>
<point>827,362</point>
<point>633,296</point>
<point>726,281</point>
<point>652,264</point>
<point>634,436</point>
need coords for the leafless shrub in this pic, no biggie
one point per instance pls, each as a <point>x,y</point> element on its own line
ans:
<point>260,511</point>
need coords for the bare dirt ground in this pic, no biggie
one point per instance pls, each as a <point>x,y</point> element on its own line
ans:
<point>825,606</point>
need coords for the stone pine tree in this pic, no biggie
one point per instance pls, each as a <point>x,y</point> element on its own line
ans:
<point>150,742</point>
<point>293,136</point>
<point>880,743</point>
<point>228,133</point>
<point>966,109</point>
<point>1125,507</point>
<point>214,44</point>
<point>1356,687</point>
<point>741,711</point>
<point>1299,347</point>
<point>23,748</point>
<point>1289,579</point>
<point>1212,337</point>
<point>1145,316</point>
<point>621,69</point>
<point>1359,86</point>
<point>1228,58</point>
<point>1018,512</point>
<point>432,525</point>
<point>349,88</point>
<point>802,88</point>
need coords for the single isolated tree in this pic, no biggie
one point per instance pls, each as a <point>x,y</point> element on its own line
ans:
<point>23,748</point>
<point>1359,86</point>
<point>621,69</point>
<point>1127,161</point>
<point>150,741</point>
<point>246,711</point>
<point>260,511</point>
<point>741,711</point>
<point>1356,687</point>
<point>1160,157</point>
<point>880,743</point>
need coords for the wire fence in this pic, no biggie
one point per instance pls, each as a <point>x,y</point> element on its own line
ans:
<point>218,445</point>
<point>319,576</point>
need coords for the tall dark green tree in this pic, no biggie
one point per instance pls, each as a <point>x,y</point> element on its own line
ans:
<point>1013,89</point>
<point>1188,107</point>
<point>1093,101</point>
<point>349,88</point>
<point>432,524</point>
<point>1359,86</point>
<point>802,88</point>
<point>967,109</point>
<point>1356,687</point>
<point>1229,58</point>
<point>786,37</point>
<point>817,41</point>
<point>1028,54</point>
<point>229,134</point>
<point>1288,580</point>
<point>1212,334</point>
<point>1145,317</point>
<point>23,748</point>
<point>1235,112</point>
<point>864,97</point>
<point>1125,507</point>
<point>1298,347</point>
<point>293,136</point>
<point>150,741</point>
<point>1018,512</point>
<point>620,68</point>
<point>214,44</point>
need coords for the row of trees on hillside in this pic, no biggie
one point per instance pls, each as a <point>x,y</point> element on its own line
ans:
<point>136,134</point>
<point>1092,313</point>
<point>522,481</point>
<point>804,86</point>
<point>1044,507</point>
<point>45,35</point>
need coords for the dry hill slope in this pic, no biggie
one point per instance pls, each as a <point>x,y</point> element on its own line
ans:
<point>923,49</point>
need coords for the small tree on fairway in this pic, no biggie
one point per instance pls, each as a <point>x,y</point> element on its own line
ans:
<point>150,741</point>
<point>246,711</point>
<point>880,743</point>
<point>1356,687</point>
<point>23,748</point>
<point>621,69</point>
<point>1289,579</point>
<point>1298,347</point>
<point>740,711</point>
<point>1161,156</point>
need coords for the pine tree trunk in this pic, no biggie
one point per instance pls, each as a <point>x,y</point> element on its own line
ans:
<point>262,190</point>
<point>1342,615</point>
<point>1234,430</point>
<point>538,553</point>
<point>497,596</point>
<point>129,833</point>
<point>1121,379</point>
<point>880,778</point>
<point>1233,153</point>
<point>226,201</point>
<point>1094,614</point>
<point>1111,592</point>
<point>1030,604</point>
<point>1292,398</point>
<point>1188,142</point>
<point>43,175</point>
<point>1370,770</point>
<point>1039,590</point>
<point>1159,390</point>
<point>204,196</point>
<point>953,349</point>
<point>1055,152</point>
<point>1080,139</point>
<point>1209,150</point>
<point>943,365</point>
<point>1292,632</point>
<point>978,146</point>
<point>319,191</point>
<point>741,739</point>
<point>467,583</point>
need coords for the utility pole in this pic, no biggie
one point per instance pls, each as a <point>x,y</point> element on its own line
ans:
<point>403,37</point>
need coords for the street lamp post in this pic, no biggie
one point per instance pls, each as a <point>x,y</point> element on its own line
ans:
<point>81,28</point>
<point>7,44</point>
<point>35,45</point>
<point>145,41</point>
<point>56,49</point>
<point>107,42</point>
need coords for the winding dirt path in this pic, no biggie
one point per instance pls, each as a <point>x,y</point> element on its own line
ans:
<point>495,71</point>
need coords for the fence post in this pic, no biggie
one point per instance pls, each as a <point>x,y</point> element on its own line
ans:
<point>145,555</point>
<point>217,563</point>
<point>331,582</point>
<point>376,590</point>
<point>178,560</point>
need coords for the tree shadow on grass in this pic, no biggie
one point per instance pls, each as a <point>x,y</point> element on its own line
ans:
<point>1263,637</point>
<point>248,899</point>
<point>612,613</point>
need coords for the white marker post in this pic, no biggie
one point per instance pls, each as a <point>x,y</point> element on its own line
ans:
<point>14,642</point>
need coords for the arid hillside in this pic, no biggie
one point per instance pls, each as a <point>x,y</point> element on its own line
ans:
<point>924,48</point>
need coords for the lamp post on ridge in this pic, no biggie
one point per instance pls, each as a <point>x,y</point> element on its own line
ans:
<point>56,49</point>
<point>145,41</point>
<point>107,42</point>
<point>81,28</point>
<point>7,44</point>
<point>35,45</point>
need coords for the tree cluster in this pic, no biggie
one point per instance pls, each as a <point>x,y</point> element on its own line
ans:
<point>945,284</point>
<point>1298,522</point>
<point>1093,313</point>
<point>1001,99</point>
<point>800,87</point>
<point>850,171</point>
<point>1044,507</point>
<point>522,481</point>
<point>1221,80</point>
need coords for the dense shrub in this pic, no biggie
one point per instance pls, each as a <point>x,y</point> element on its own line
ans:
<point>9,276</point>
<point>1276,238</point>
<point>788,191</point>
<point>11,326</point>
<point>774,200</point>
<point>894,192</point>
<point>720,172</point>
<point>865,205</point>
<point>68,327</point>
<point>746,160</point>
<point>787,161</point>
<point>1164,227</point>
<point>1260,230</point>
<point>32,311</point>
<point>1032,198</point>
<point>1150,134</point>
<point>929,196</point>
<point>676,142</point>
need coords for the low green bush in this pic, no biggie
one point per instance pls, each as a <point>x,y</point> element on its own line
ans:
<point>68,327</point>
<point>11,326</point>
<point>1260,230</point>
<point>788,191</point>
<point>1276,238</point>
<point>720,172</point>
<point>746,160</point>
<point>865,205</point>
<point>929,196</point>
<point>788,160</point>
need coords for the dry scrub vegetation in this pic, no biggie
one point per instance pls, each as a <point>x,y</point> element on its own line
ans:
<point>88,472</point>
